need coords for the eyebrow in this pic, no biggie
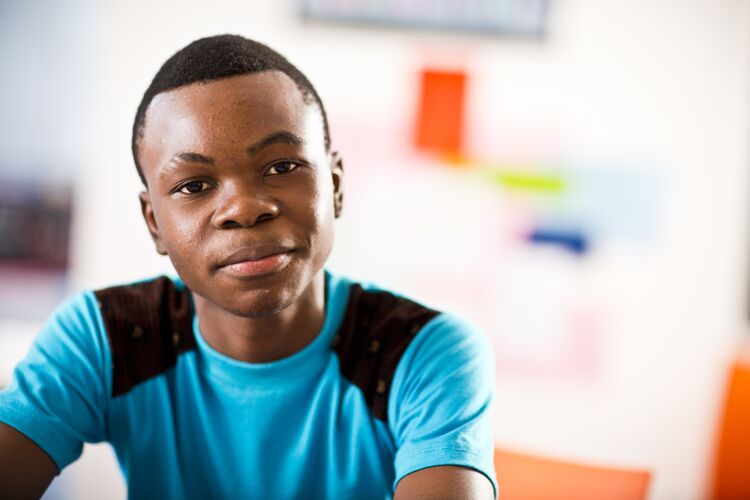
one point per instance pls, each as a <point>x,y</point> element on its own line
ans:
<point>274,138</point>
<point>186,157</point>
<point>193,158</point>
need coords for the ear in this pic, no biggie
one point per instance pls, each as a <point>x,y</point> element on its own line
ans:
<point>148,215</point>
<point>337,175</point>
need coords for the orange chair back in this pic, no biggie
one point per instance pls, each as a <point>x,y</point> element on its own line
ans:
<point>526,477</point>
<point>731,478</point>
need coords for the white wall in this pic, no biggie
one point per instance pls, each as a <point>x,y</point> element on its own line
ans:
<point>666,79</point>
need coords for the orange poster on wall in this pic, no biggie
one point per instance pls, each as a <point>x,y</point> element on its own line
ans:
<point>440,118</point>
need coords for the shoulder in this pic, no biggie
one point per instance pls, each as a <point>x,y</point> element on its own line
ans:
<point>383,313</point>
<point>394,321</point>
<point>84,311</point>
<point>375,330</point>
<point>117,327</point>
<point>142,307</point>
<point>429,375</point>
<point>452,338</point>
<point>79,310</point>
<point>451,359</point>
<point>387,341</point>
<point>60,392</point>
<point>73,327</point>
<point>148,324</point>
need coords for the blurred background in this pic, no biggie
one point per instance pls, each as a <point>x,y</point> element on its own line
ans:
<point>571,175</point>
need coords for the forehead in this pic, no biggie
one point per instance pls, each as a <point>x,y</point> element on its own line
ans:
<point>216,117</point>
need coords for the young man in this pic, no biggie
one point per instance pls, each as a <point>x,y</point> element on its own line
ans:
<point>256,373</point>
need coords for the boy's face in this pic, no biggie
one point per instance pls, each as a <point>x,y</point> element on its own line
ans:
<point>242,193</point>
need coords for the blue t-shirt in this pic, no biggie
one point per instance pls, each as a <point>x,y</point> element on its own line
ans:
<point>312,425</point>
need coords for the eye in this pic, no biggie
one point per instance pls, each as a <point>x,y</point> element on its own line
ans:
<point>283,167</point>
<point>193,187</point>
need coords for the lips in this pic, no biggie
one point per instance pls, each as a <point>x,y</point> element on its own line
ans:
<point>255,253</point>
<point>257,260</point>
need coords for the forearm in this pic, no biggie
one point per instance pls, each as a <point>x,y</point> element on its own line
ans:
<point>444,483</point>
<point>25,469</point>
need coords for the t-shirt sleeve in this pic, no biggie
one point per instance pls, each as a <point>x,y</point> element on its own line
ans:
<point>59,392</point>
<point>439,410</point>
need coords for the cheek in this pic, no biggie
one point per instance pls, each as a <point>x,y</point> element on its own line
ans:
<point>324,198</point>
<point>181,233</point>
<point>323,215</point>
<point>311,210</point>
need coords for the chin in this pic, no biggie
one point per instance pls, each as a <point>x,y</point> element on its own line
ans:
<point>260,303</point>
<point>258,310</point>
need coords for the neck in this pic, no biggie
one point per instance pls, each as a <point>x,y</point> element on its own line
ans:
<point>268,338</point>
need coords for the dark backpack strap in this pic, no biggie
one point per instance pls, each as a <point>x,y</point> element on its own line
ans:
<point>148,324</point>
<point>376,330</point>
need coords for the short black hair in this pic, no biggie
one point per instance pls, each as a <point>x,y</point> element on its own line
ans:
<point>213,58</point>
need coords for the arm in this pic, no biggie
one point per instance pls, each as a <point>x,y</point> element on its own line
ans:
<point>440,414</point>
<point>444,482</point>
<point>25,470</point>
<point>56,400</point>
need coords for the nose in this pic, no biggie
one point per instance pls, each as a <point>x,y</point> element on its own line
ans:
<point>244,206</point>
